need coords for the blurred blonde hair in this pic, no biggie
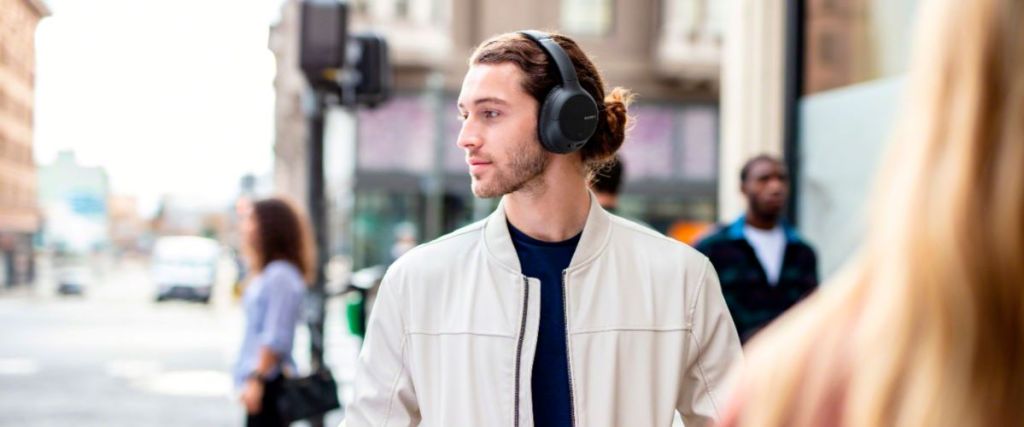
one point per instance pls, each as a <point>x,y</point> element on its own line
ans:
<point>926,326</point>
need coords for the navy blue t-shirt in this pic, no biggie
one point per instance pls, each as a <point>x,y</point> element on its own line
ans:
<point>546,261</point>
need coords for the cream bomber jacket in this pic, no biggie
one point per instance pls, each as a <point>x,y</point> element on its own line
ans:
<point>452,335</point>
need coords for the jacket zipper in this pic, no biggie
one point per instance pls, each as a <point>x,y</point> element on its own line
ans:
<point>568,358</point>
<point>519,346</point>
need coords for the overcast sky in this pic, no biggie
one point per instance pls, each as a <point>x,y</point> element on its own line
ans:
<point>170,96</point>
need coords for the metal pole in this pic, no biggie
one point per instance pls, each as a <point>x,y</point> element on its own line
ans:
<point>318,221</point>
<point>791,98</point>
<point>434,183</point>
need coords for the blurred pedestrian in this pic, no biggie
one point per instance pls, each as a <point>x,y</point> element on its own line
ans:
<point>926,326</point>
<point>243,208</point>
<point>279,249</point>
<point>606,183</point>
<point>550,312</point>
<point>764,264</point>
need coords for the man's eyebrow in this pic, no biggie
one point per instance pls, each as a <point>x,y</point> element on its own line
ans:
<point>486,100</point>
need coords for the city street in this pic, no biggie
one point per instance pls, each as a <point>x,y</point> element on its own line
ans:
<point>115,357</point>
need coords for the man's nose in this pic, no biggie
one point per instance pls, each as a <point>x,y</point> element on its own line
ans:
<point>469,138</point>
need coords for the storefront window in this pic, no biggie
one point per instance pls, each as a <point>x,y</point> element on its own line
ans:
<point>407,148</point>
<point>853,41</point>
<point>855,53</point>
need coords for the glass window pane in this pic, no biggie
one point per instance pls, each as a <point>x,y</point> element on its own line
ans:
<point>647,151</point>
<point>386,147</point>
<point>853,41</point>
<point>699,129</point>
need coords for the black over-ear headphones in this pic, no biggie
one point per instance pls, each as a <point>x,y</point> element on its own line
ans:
<point>568,115</point>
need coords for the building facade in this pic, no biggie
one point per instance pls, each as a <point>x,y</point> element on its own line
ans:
<point>289,117</point>
<point>75,205</point>
<point>19,219</point>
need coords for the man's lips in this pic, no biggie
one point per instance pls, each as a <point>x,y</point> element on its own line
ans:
<point>477,165</point>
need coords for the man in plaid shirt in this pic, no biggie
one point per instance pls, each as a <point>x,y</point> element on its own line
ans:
<point>764,266</point>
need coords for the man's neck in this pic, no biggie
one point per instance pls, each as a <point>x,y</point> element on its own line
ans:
<point>553,211</point>
<point>761,223</point>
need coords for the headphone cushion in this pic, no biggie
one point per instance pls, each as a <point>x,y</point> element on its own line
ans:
<point>548,126</point>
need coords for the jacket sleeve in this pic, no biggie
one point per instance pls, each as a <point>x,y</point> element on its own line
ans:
<point>384,392</point>
<point>714,350</point>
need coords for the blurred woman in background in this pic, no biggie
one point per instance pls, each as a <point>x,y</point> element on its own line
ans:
<point>279,250</point>
<point>926,326</point>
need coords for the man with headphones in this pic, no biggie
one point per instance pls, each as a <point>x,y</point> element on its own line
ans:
<point>551,311</point>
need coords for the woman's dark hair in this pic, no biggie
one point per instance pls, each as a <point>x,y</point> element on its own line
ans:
<point>542,76</point>
<point>282,233</point>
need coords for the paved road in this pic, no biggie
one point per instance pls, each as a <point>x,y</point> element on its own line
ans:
<point>115,357</point>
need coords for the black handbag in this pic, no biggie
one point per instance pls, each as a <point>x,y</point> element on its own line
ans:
<point>309,396</point>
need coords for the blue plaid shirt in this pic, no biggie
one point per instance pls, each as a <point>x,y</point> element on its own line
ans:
<point>752,301</point>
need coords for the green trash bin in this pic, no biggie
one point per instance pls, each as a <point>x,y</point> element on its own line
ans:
<point>355,307</point>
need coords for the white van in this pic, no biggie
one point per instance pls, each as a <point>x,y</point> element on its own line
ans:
<point>185,267</point>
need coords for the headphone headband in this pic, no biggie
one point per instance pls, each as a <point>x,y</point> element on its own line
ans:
<point>556,53</point>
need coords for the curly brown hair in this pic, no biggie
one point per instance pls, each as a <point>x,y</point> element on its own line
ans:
<point>542,76</point>
<point>282,233</point>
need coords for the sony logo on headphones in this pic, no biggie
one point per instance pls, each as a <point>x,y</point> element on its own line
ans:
<point>590,117</point>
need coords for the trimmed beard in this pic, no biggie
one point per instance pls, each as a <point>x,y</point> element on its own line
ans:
<point>524,169</point>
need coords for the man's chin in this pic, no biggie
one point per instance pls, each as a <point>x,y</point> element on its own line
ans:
<point>486,195</point>
<point>483,192</point>
<point>771,209</point>
<point>771,215</point>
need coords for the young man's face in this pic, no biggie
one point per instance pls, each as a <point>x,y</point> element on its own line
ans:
<point>499,131</point>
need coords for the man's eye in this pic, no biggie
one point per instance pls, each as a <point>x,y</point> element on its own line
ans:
<point>463,117</point>
<point>490,114</point>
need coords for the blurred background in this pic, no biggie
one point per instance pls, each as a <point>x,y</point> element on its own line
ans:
<point>130,131</point>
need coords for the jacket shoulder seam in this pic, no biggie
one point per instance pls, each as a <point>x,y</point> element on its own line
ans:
<point>704,375</point>
<point>696,297</point>
<point>696,340</point>
<point>394,385</point>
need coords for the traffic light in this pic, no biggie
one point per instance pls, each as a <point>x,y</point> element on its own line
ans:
<point>324,31</point>
<point>371,67</point>
<point>355,67</point>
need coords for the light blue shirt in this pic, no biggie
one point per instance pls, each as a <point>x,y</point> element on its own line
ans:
<point>272,304</point>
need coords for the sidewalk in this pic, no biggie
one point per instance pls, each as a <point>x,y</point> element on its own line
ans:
<point>17,291</point>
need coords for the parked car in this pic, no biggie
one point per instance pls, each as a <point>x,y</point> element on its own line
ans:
<point>74,280</point>
<point>185,267</point>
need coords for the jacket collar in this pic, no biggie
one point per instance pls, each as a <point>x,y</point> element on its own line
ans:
<point>735,230</point>
<point>596,233</point>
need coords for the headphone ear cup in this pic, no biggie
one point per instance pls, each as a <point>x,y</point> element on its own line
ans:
<point>548,126</point>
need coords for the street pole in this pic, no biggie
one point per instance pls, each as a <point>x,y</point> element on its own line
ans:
<point>434,183</point>
<point>318,221</point>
